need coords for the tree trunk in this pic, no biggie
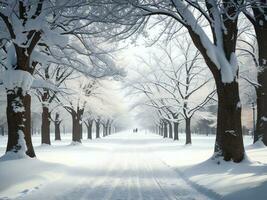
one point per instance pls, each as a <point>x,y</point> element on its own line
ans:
<point>97,126</point>
<point>57,127</point>
<point>109,129</point>
<point>170,130</point>
<point>165,130</point>
<point>188,131</point>
<point>81,130</point>
<point>76,128</point>
<point>159,129</point>
<point>19,122</point>
<point>261,90</point>
<point>89,130</point>
<point>104,130</point>
<point>176,131</point>
<point>229,140</point>
<point>45,127</point>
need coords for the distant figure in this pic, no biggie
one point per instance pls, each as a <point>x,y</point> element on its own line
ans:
<point>135,130</point>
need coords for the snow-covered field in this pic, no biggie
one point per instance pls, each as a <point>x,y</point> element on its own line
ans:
<point>133,166</point>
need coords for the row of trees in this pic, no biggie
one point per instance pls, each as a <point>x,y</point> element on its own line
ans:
<point>177,85</point>
<point>213,28</point>
<point>44,45</point>
<point>39,26</point>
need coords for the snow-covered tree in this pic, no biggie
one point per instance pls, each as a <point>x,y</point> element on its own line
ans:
<point>256,12</point>
<point>27,27</point>
<point>174,84</point>
<point>212,26</point>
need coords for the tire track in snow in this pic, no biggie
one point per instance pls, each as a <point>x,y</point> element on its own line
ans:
<point>200,189</point>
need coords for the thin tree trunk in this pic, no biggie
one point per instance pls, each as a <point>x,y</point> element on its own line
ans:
<point>229,140</point>
<point>81,129</point>
<point>109,129</point>
<point>89,130</point>
<point>161,129</point>
<point>19,122</point>
<point>57,127</point>
<point>75,129</point>
<point>176,131</point>
<point>104,130</point>
<point>170,130</point>
<point>165,130</point>
<point>45,127</point>
<point>188,131</point>
<point>97,126</point>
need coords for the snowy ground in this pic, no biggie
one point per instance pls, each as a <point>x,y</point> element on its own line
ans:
<point>129,166</point>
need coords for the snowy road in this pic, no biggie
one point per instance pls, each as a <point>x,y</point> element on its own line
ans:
<point>120,167</point>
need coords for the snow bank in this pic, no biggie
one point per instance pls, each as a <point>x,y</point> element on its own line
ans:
<point>16,153</point>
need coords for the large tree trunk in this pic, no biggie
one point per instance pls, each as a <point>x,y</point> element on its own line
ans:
<point>188,131</point>
<point>229,141</point>
<point>170,130</point>
<point>261,91</point>
<point>165,130</point>
<point>57,127</point>
<point>45,127</point>
<point>176,131</point>
<point>97,126</point>
<point>19,123</point>
<point>76,137</point>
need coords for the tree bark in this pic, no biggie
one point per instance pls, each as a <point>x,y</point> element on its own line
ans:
<point>176,131</point>
<point>19,121</point>
<point>57,127</point>
<point>170,130</point>
<point>188,139</point>
<point>261,90</point>
<point>229,141</point>
<point>45,127</point>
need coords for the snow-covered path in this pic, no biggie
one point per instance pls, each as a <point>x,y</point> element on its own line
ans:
<point>119,167</point>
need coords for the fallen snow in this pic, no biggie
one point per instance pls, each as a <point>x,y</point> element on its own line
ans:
<point>133,166</point>
<point>13,79</point>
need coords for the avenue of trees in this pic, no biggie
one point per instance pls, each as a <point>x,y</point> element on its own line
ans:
<point>47,44</point>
